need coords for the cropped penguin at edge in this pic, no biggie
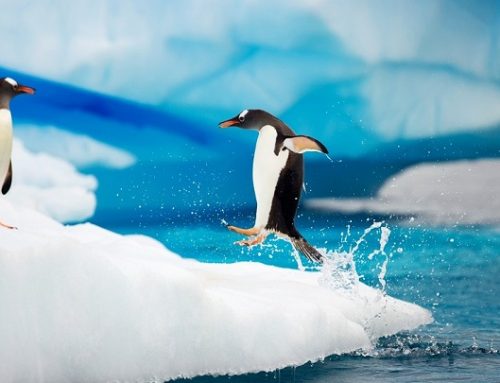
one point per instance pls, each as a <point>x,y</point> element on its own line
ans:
<point>278,176</point>
<point>9,88</point>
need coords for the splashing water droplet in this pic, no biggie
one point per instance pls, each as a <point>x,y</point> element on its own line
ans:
<point>339,267</point>
<point>296,255</point>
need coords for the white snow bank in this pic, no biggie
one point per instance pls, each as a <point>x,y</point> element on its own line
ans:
<point>80,150</point>
<point>80,303</point>
<point>462,192</point>
<point>51,185</point>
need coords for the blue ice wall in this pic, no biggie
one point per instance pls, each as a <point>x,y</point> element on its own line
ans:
<point>355,74</point>
<point>383,84</point>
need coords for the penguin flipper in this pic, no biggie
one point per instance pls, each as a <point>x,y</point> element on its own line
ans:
<point>304,247</point>
<point>8,180</point>
<point>302,144</point>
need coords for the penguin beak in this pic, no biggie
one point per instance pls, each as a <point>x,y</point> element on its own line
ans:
<point>228,123</point>
<point>25,89</point>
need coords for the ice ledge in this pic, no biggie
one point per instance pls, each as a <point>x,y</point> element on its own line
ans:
<point>80,303</point>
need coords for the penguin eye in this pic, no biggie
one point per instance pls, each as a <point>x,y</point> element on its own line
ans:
<point>242,115</point>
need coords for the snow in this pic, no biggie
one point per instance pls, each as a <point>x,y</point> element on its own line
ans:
<point>80,303</point>
<point>51,185</point>
<point>459,192</point>
<point>81,150</point>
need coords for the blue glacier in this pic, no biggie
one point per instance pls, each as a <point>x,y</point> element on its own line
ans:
<point>340,72</point>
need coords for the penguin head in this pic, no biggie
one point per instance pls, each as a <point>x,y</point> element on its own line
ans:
<point>252,119</point>
<point>9,88</point>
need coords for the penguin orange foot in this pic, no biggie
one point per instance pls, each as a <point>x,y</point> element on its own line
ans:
<point>247,232</point>
<point>4,225</point>
<point>258,239</point>
<point>278,176</point>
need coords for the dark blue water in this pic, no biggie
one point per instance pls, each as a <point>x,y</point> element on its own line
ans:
<point>454,272</point>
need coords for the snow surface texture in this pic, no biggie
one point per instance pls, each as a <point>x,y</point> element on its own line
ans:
<point>394,69</point>
<point>461,192</point>
<point>50,185</point>
<point>80,303</point>
<point>80,150</point>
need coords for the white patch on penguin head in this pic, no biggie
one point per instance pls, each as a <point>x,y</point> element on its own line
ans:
<point>242,115</point>
<point>11,81</point>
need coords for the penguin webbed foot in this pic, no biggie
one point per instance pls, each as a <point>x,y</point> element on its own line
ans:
<point>258,239</point>
<point>5,226</point>
<point>247,232</point>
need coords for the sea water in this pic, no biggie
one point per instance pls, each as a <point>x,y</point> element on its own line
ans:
<point>452,271</point>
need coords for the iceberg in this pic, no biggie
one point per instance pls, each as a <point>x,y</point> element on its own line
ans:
<point>333,69</point>
<point>81,303</point>
<point>458,192</point>
<point>380,101</point>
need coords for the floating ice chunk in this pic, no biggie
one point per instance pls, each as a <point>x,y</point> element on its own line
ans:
<point>463,192</point>
<point>82,303</point>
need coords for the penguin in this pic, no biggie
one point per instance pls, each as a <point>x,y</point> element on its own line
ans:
<point>278,175</point>
<point>9,88</point>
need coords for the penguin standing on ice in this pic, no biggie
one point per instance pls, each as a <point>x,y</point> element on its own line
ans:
<point>278,175</point>
<point>9,88</point>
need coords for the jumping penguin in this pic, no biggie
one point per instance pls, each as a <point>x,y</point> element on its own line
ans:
<point>278,175</point>
<point>9,88</point>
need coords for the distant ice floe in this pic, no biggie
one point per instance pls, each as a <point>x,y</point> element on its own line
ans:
<point>80,150</point>
<point>51,186</point>
<point>80,303</point>
<point>461,192</point>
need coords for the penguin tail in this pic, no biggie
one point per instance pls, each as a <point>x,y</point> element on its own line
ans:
<point>302,246</point>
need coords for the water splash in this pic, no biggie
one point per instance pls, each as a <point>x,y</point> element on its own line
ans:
<point>385,232</point>
<point>339,268</point>
<point>415,345</point>
<point>296,255</point>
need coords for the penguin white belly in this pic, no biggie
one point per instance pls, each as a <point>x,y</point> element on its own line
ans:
<point>266,171</point>
<point>5,143</point>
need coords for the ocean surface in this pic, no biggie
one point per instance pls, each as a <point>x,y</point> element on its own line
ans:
<point>452,271</point>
